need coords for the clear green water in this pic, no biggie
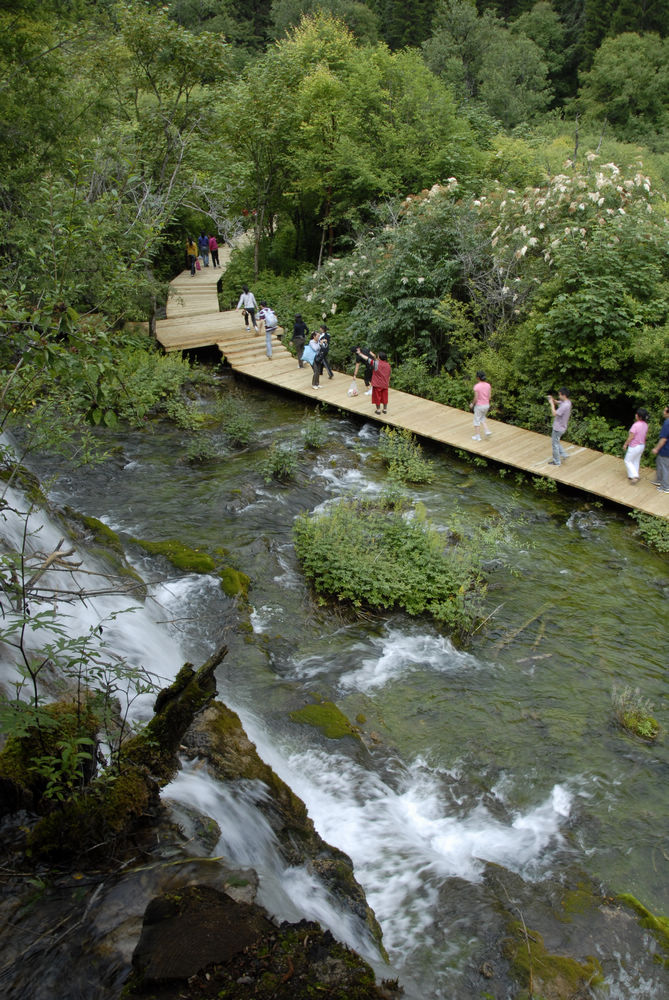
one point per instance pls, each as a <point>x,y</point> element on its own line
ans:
<point>506,752</point>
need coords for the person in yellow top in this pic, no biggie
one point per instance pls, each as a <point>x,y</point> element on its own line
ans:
<point>191,253</point>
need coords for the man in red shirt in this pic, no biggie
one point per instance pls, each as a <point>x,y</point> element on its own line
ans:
<point>380,378</point>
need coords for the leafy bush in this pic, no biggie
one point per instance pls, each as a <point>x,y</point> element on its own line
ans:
<point>281,463</point>
<point>653,530</point>
<point>237,420</point>
<point>634,713</point>
<point>403,456</point>
<point>370,554</point>
<point>314,432</point>
<point>201,449</point>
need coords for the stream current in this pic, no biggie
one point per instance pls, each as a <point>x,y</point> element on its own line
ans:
<point>505,753</point>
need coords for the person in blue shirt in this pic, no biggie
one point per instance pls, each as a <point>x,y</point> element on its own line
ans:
<point>661,452</point>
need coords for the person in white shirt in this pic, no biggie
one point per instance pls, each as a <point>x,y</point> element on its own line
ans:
<point>247,303</point>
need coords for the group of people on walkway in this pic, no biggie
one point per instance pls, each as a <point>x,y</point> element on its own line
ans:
<point>263,319</point>
<point>201,249</point>
<point>376,372</point>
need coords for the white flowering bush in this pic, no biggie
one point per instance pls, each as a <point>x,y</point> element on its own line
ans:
<point>565,282</point>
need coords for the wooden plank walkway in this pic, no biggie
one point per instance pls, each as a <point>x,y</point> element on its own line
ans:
<point>193,320</point>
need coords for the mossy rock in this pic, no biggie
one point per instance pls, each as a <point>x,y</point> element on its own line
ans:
<point>233,582</point>
<point>200,943</point>
<point>184,558</point>
<point>327,717</point>
<point>551,977</point>
<point>105,544</point>
<point>218,736</point>
<point>657,925</point>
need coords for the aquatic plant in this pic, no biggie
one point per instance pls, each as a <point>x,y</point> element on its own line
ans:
<point>634,713</point>
<point>201,449</point>
<point>314,432</point>
<point>403,456</point>
<point>237,420</point>
<point>280,463</point>
<point>368,553</point>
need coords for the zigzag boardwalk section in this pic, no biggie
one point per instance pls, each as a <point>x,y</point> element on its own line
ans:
<point>193,320</point>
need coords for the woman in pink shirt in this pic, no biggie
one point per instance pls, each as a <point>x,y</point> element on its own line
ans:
<point>480,406</point>
<point>636,440</point>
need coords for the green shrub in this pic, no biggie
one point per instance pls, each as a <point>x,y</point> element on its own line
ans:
<point>367,553</point>
<point>237,420</point>
<point>653,530</point>
<point>314,432</point>
<point>201,449</point>
<point>403,456</point>
<point>281,463</point>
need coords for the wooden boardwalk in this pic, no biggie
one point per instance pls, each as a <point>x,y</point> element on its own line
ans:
<point>193,320</point>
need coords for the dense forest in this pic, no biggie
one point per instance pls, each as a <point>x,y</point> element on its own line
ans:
<point>463,185</point>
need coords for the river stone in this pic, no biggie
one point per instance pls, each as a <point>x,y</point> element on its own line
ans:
<point>186,931</point>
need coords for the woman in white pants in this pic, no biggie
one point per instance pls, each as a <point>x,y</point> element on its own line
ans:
<point>636,441</point>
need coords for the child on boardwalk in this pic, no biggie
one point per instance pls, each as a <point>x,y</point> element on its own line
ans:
<point>380,378</point>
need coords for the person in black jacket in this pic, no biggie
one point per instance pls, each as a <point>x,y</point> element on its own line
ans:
<point>300,334</point>
<point>324,341</point>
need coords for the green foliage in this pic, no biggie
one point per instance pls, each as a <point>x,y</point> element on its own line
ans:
<point>653,530</point>
<point>368,553</point>
<point>314,432</point>
<point>201,449</point>
<point>403,456</point>
<point>628,86</point>
<point>237,419</point>
<point>482,60</point>
<point>62,771</point>
<point>280,463</point>
<point>51,749</point>
<point>634,713</point>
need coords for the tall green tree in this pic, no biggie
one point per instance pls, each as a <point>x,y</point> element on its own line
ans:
<point>628,86</point>
<point>486,62</point>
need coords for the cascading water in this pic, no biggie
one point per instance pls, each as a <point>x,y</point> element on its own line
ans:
<point>501,755</point>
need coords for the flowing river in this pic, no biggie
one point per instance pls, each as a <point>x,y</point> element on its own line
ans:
<point>505,753</point>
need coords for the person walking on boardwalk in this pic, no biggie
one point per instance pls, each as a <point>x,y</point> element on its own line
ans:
<point>300,334</point>
<point>561,412</point>
<point>661,452</point>
<point>480,405</point>
<point>380,379</point>
<point>203,248</point>
<point>636,442</point>
<point>191,254</point>
<point>247,303</point>
<point>324,340</point>
<point>213,250</point>
<point>268,322</point>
